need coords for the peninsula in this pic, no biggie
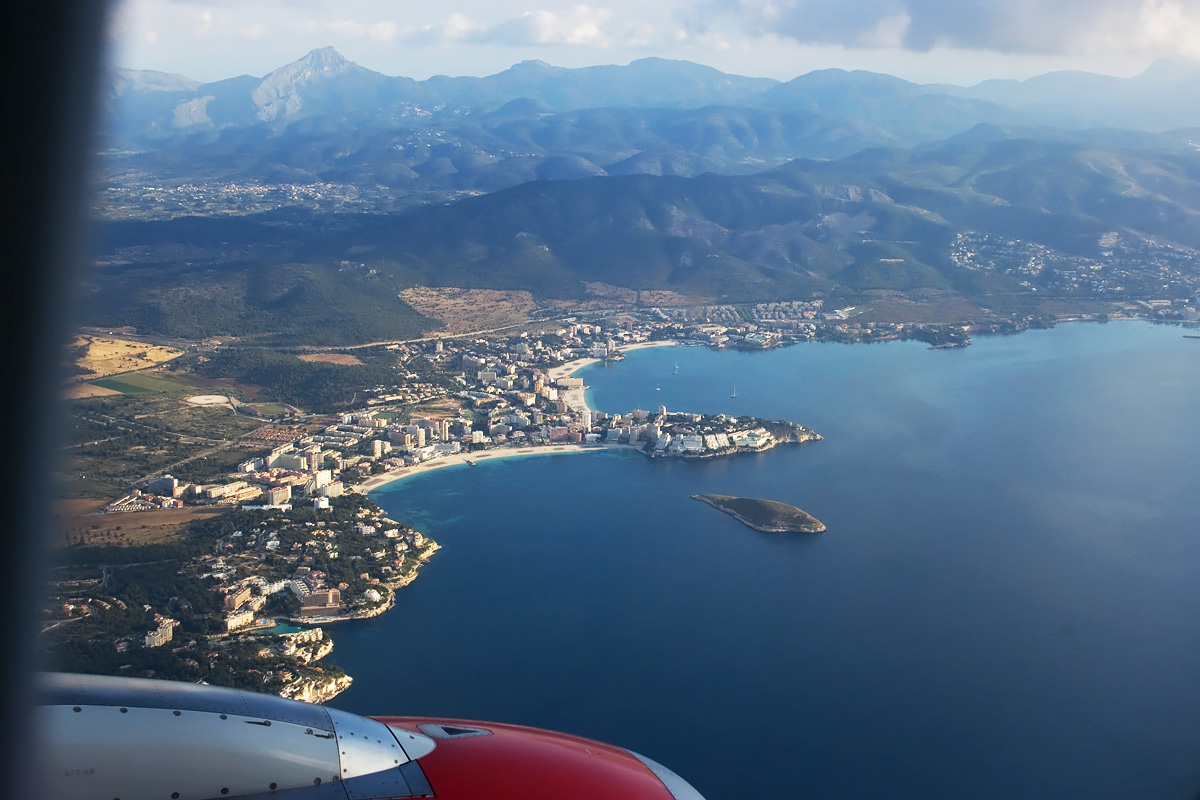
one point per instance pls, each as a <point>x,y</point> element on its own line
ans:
<point>274,530</point>
<point>764,515</point>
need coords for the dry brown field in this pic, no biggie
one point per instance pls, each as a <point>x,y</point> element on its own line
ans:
<point>932,308</point>
<point>332,358</point>
<point>441,408</point>
<point>78,391</point>
<point>605,297</point>
<point>109,355</point>
<point>77,523</point>
<point>468,310</point>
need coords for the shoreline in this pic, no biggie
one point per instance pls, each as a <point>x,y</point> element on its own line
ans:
<point>569,368</point>
<point>460,459</point>
<point>802,521</point>
<point>577,400</point>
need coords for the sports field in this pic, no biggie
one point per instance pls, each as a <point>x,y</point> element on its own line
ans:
<point>269,409</point>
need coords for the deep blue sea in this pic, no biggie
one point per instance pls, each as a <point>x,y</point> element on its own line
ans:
<point>1006,603</point>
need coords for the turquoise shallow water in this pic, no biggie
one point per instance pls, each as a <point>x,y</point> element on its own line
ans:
<point>1004,605</point>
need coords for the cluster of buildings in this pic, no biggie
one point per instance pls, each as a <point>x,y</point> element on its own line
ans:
<point>162,633</point>
<point>241,606</point>
<point>281,556</point>
<point>245,598</point>
<point>306,646</point>
<point>724,325</point>
<point>150,500</point>
<point>506,397</point>
<point>1122,267</point>
<point>687,434</point>
<point>164,202</point>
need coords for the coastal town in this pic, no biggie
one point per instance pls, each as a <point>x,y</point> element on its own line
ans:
<point>284,541</point>
<point>294,542</point>
<point>430,414</point>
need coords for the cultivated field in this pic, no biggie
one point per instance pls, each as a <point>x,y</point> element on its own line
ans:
<point>140,383</point>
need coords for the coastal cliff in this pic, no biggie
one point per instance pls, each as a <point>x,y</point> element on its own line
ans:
<point>317,689</point>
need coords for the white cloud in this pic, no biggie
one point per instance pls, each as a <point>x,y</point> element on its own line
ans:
<point>452,30</point>
<point>1161,27</point>
<point>1170,25</point>
<point>928,39</point>
<point>347,27</point>
<point>643,35</point>
<point>383,31</point>
<point>458,27</point>
<point>582,25</point>
<point>380,31</point>
<point>888,33</point>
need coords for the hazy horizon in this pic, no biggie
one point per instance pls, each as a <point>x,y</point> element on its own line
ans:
<point>962,84</point>
<point>924,41</point>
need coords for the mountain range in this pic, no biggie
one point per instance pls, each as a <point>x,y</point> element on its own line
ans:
<point>659,175</point>
<point>323,118</point>
<point>879,220</point>
<point>323,84</point>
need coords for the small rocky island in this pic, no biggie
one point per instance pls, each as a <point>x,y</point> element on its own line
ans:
<point>764,515</point>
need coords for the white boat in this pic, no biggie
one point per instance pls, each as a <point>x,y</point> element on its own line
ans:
<point>734,392</point>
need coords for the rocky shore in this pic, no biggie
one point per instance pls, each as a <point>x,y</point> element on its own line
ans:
<point>317,689</point>
<point>769,516</point>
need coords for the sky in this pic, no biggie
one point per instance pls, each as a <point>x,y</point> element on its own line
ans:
<point>928,41</point>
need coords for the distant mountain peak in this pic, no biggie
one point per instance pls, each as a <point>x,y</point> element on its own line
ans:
<point>144,80</point>
<point>1171,69</point>
<point>324,58</point>
<point>534,64</point>
<point>279,93</point>
<point>322,61</point>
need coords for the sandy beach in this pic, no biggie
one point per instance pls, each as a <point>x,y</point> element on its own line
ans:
<point>575,398</point>
<point>571,367</point>
<point>629,348</point>
<point>375,481</point>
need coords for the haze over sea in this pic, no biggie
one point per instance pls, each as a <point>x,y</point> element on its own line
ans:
<point>1006,603</point>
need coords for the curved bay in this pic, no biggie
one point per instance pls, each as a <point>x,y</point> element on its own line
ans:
<point>1004,604</point>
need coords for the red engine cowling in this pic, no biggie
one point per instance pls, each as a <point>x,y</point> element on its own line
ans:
<point>508,762</point>
<point>134,739</point>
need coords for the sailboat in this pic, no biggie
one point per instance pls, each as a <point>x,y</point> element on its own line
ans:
<point>734,392</point>
<point>676,370</point>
